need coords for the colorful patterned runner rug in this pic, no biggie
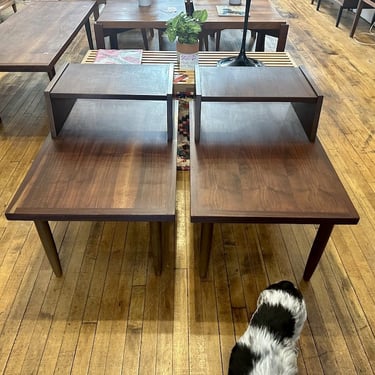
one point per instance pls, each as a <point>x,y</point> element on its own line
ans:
<point>183,139</point>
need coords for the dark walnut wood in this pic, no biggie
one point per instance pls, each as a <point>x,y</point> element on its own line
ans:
<point>106,82</point>
<point>51,25</point>
<point>262,85</point>
<point>111,162</point>
<point>253,164</point>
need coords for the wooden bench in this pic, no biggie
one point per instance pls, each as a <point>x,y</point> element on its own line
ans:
<point>111,161</point>
<point>184,80</point>
<point>255,163</point>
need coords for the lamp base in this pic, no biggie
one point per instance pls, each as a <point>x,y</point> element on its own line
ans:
<point>240,60</point>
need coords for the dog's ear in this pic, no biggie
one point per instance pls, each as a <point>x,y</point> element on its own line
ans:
<point>241,360</point>
<point>286,286</point>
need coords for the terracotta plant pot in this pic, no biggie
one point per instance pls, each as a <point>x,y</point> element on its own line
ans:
<point>187,48</point>
<point>187,55</point>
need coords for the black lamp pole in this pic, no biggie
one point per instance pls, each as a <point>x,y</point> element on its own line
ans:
<point>189,8</point>
<point>241,59</point>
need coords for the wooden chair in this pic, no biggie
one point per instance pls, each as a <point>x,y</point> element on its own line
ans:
<point>344,4</point>
<point>112,33</point>
<point>253,37</point>
<point>363,4</point>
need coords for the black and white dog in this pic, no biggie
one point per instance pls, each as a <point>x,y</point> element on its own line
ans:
<point>268,347</point>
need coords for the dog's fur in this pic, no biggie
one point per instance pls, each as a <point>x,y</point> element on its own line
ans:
<point>268,347</point>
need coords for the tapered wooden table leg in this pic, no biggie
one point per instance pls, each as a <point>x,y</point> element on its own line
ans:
<point>156,245</point>
<point>205,248</point>
<point>317,249</point>
<point>49,245</point>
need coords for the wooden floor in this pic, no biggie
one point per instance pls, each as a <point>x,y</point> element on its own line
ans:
<point>110,314</point>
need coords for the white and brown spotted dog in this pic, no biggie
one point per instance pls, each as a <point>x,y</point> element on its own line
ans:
<point>268,347</point>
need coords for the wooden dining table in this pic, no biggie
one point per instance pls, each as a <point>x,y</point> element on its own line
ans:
<point>118,15</point>
<point>34,38</point>
<point>125,15</point>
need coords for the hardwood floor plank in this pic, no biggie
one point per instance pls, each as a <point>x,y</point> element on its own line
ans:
<point>64,297</point>
<point>180,324</point>
<point>83,351</point>
<point>164,348</point>
<point>15,299</point>
<point>134,330</point>
<point>147,361</point>
<point>139,232</point>
<point>232,265</point>
<point>120,313</point>
<point>72,301</point>
<point>347,319</point>
<point>99,272</point>
<point>108,303</point>
<point>223,304</point>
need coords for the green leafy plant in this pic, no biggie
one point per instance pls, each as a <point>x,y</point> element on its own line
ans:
<point>186,28</point>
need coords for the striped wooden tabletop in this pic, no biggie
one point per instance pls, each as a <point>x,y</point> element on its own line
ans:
<point>184,80</point>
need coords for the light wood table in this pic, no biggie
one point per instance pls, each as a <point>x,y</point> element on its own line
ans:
<point>254,162</point>
<point>39,34</point>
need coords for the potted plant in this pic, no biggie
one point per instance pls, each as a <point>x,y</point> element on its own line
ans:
<point>185,30</point>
